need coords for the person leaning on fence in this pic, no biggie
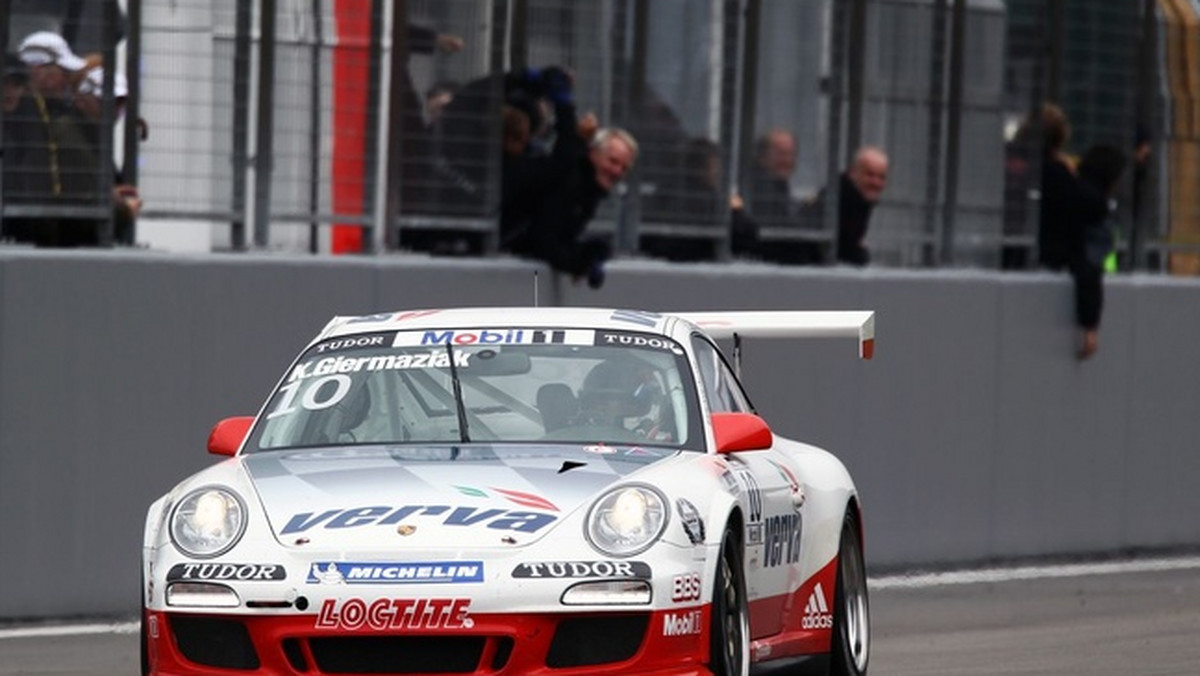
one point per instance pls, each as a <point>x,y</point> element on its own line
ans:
<point>52,163</point>
<point>859,190</point>
<point>694,198</point>
<point>691,197</point>
<point>548,201</point>
<point>1070,207</point>
<point>1101,168</point>
<point>769,201</point>
<point>861,187</point>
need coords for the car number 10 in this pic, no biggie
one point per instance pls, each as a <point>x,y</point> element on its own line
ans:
<point>311,399</point>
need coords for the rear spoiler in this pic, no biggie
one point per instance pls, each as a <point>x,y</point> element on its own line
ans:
<point>789,324</point>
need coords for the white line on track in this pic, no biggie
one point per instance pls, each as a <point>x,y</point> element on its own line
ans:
<point>914,581</point>
<point>70,630</point>
<point>922,580</point>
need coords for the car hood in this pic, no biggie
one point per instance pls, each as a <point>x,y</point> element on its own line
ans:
<point>377,498</point>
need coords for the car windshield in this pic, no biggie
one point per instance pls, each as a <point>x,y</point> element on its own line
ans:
<point>485,385</point>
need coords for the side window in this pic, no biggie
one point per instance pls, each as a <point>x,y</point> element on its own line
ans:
<point>720,386</point>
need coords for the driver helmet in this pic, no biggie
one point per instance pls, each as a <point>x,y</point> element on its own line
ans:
<point>617,389</point>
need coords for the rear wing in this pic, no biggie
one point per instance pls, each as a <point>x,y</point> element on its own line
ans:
<point>789,324</point>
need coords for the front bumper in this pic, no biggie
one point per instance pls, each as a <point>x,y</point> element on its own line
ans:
<point>651,642</point>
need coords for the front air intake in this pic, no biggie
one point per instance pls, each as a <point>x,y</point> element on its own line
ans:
<point>214,642</point>
<point>577,640</point>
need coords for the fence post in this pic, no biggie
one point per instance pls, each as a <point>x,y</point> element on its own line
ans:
<point>636,26</point>
<point>133,112</point>
<point>394,174</point>
<point>497,59</point>
<point>1055,41</point>
<point>265,145</point>
<point>856,78</point>
<point>935,230</point>
<point>104,199</point>
<point>1146,94</point>
<point>838,49</point>
<point>371,135</point>
<point>4,15</point>
<point>315,132</point>
<point>742,113</point>
<point>518,47</point>
<point>954,105</point>
<point>241,122</point>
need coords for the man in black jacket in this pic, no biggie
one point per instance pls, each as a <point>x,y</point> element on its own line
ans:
<point>547,201</point>
<point>861,185</point>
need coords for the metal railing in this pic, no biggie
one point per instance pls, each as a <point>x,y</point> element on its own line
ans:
<point>319,125</point>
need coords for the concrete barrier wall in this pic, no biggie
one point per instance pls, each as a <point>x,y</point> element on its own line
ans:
<point>974,434</point>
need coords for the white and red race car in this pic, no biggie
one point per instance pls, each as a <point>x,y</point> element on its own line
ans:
<point>513,491</point>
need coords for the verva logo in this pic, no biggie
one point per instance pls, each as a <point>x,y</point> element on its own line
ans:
<point>384,614</point>
<point>384,515</point>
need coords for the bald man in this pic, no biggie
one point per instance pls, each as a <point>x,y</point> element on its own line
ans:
<point>861,187</point>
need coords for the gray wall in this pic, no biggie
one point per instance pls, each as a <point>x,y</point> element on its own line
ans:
<point>974,434</point>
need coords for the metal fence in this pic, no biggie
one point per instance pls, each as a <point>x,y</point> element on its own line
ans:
<point>377,125</point>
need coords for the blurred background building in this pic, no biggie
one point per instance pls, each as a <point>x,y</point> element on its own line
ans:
<point>335,126</point>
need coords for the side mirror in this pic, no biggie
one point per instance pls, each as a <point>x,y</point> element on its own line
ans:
<point>227,436</point>
<point>741,432</point>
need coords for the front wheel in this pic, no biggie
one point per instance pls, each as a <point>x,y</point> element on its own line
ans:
<point>851,613</point>
<point>729,631</point>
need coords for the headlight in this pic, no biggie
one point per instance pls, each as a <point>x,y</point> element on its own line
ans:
<point>207,522</point>
<point>627,520</point>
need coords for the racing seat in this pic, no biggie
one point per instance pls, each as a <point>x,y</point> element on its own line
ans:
<point>556,402</point>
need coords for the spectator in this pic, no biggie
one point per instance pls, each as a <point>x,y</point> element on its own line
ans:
<point>54,164</point>
<point>548,201</point>
<point>770,203</point>
<point>770,180</point>
<point>15,83</point>
<point>1101,168</point>
<point>15,80</point>
<point>89,102</point>
<point>695,199</point>
<point>517,132</point>
<point>1068,206</point>
<point>689,197</point>
<point>861,188</point>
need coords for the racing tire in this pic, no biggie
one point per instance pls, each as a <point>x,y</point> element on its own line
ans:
<point>729,633</point>
<point>850,650</point>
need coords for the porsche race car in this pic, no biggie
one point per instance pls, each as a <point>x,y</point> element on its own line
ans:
<point>525,491</point>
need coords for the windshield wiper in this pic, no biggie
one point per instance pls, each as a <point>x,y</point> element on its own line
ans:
<point>463,433</point>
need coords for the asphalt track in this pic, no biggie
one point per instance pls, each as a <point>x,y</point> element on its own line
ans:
<point>1138,618</point>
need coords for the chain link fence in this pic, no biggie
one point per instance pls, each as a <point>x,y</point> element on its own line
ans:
<point>375,125</point>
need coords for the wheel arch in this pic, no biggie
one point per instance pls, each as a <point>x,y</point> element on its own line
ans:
<point>734,523</point>
<point>853,506</point>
